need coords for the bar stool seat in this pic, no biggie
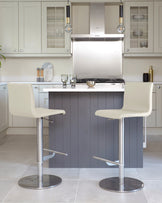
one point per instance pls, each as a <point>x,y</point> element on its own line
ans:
<point>21,103</point>
<point>121,113</point>
<point>137,103</point>
<point>41,112</point>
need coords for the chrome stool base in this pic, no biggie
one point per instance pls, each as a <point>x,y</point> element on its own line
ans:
<point>130,184</point>
<point>32,182</point>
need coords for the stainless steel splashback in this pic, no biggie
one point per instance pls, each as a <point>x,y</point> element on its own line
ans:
<point>97,59</point>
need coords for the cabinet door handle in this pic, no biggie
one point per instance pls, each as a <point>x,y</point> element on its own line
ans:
<point>21,50</point>
<point>15,50</point>
<point>158,87</point>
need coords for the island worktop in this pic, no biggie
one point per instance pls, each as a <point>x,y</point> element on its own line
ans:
<point>99,87</point>
<point>83,135</point>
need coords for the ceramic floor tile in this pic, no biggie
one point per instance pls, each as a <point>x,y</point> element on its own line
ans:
<point>5,187</point>
<point>90,192</point>
<point>65,192</point>
<point>18,159</point>
<point>64,173</point>
<point>152,159</point>
<point>101,173</point>
<point>154,143</point>
<point>153,191</point>
<point>150,173</point>
<point>19,143</point>
<point>10,171</point>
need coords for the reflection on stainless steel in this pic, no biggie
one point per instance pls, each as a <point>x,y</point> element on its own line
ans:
<point>97,59</point>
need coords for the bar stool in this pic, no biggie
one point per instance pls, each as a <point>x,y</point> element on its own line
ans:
<point>137,103</point>
<point>21,103</point>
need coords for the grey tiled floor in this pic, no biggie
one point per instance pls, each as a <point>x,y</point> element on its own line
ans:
<point>17,158</point>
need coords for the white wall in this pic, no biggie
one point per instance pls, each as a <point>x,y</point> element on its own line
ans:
<point>133,68</point>
<point>24,69</point>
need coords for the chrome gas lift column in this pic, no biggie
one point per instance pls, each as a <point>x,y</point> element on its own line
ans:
<point>121,183</point>
<point>41,181</point>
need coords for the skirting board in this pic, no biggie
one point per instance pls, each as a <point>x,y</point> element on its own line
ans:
<point>3,136</point>
<point>25,131</point>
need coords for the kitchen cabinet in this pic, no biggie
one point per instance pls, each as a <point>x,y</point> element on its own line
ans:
<point>54,37</point>
<point>155,119</point>
<point>157,27</point>
<point>3,107</point>
<point>138,20</point>
<point>159,105</point>
<point>80,22</point>
<point>9,26</point>
<point>20,27</point>
<point>29,27</point>
<point>151,120</point>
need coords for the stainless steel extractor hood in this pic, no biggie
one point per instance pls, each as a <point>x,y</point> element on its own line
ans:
<point>97,26</point>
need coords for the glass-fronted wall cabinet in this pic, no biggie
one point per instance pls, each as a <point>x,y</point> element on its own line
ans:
<point>139,24</point>
<point>54,37</point>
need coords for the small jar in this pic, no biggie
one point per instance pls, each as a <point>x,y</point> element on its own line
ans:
<point>38,74</point>
<point>42,75</point>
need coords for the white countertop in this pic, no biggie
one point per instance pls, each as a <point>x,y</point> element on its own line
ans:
<point>99,87</point>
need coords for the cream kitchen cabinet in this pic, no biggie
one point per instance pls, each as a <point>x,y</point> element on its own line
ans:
<point>151,120</point>
<point>30,27</point>
<point>159,105</point>
<point>3,107</point>
<point>157,27</point>
<point>20,27</point>
<point>54,38</point>
<point>9,26</point>
<point>138,18</point>
<point>80,22</point>
<point>155,119</point>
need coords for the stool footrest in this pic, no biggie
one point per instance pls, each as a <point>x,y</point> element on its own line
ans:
<point>50,156</point>
<point>56,152</point>
<point>112,163</point>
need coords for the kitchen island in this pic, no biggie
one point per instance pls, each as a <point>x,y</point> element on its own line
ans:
<point>83,135</point>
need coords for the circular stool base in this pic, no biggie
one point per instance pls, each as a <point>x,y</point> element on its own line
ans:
<point>31,182</point>
<point>130,184</point>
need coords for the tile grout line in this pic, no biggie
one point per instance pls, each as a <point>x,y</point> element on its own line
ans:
<point>3,200</point>
<point>77,188</point>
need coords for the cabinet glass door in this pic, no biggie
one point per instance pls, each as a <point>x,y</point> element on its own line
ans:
<point>55,39</point>
<point>139,32</point>
<point>138,27</point>
<point>55,27</point>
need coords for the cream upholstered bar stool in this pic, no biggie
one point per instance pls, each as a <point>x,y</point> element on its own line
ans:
<point>137,103</point>
<point>21,103</point>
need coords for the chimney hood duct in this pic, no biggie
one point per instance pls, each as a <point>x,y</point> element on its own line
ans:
<point>97,26</point>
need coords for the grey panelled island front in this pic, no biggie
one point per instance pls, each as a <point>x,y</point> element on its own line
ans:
<point>82,135</point>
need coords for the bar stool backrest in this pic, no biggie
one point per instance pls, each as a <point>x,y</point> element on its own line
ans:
<point>21,99</point>
<point>138,97</point>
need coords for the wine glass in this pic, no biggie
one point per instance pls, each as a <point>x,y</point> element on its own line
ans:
<point>64,79</point>
<point>72,80</point>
